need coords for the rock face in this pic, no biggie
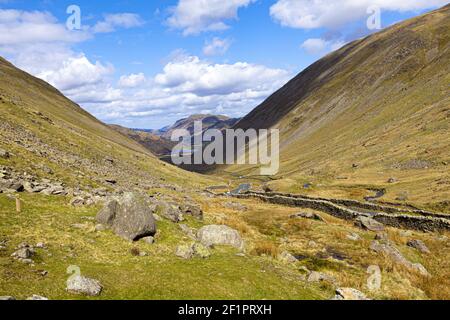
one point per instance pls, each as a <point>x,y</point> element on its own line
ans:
<point>219,235</point>
<point>419,245</point>
<point>395,255</point>
<point>82,285</point>
<point>130,218</point>
<point>369,224</point>
<point>349,294</point>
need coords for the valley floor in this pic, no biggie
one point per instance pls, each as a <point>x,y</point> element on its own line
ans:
<point>333,248</point>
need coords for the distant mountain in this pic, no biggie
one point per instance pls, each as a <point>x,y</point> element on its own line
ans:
<point>209,122</point>
<point>157,145</point>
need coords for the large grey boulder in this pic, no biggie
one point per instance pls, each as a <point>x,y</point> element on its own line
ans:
<point>219,235</point>
<point>82,285</point>
<point>368,223</point>
<point>130,217</point>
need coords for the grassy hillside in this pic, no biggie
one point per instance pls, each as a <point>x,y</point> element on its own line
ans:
<point>44,130</point>
<point>376,109</point>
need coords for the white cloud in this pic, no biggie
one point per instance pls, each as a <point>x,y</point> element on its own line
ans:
<point>132,80</point>
<point>311,14</point>
<point>216,46</point>
<point>318,46</point>
<point>76,72</point>
<point>120,20</point>
<point>190,74</point>
<point>196,16</point>
<point>28,27</point>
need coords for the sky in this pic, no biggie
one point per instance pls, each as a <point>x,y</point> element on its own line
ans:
<point>146,64</point>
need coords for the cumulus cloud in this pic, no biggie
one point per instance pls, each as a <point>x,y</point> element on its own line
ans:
<point>196,16</point>
<point>318,46</point>
<point>216,47</point>
<point>311,14</point>
<point>132,80</point>
<point>120,20</point>
<point>34,27</point>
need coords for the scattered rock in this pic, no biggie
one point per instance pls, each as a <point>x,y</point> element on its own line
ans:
<point>4,154</point>
<point>355,165</point>
<point>219,235</point>
<point>7,298</point>
<point>188,231</point>
<point>40,245</point>
<point>185,251</point>
<point>382,236</point>
<point>235,206</point>
<point>395,255</point>
<point>368,223</point>
<point>349,294</point>
<point>307,215</point>
<point>36,297</point>
<point>192,210</point>
<point>149,240</point>
<point>169,211</point>
<point>81,285</point>
<point>77,202</point>
<point>315,276</point>
<point>23,254</point>
<point>286,257</point>
<point>419,245</point>
<point>353,236</point>
<point>392,180</point>
<point>201,251</point>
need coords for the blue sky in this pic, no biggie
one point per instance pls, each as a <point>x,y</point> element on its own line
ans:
<point>146,64</point>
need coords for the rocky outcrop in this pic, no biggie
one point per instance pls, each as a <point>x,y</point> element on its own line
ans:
<point>368,223</point>
<point>219,235</point>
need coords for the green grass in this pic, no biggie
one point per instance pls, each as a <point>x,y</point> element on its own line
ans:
<point>106,257</point>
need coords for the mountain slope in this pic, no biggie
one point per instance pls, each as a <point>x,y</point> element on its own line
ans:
<point>208,121</point>
<point>376,109</point>
<point>46,132</point>
<point>157,145</point>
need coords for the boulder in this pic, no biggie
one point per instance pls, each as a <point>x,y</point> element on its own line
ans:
<point>219,235</point>
<point>107,215</point>
<point>23,253</point>
<point>286,257</point>
<point>315,276</point>
<point>188,231</point>
<point>201,251</point>
<point>149,240</point>
<point>395,255</point>
<point>368,223</point>
<point>307,215</point>
<point>419,245</point>
<point>349,294</point>
<point>353,237</point>
<point>134,218</point>
<point>130,217</point>
<point>169,211</point>
<point>7,298</point>
<point>77,202</point>
<point>185,251</point>
<point>81,285</point>
<point>192,210</point>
